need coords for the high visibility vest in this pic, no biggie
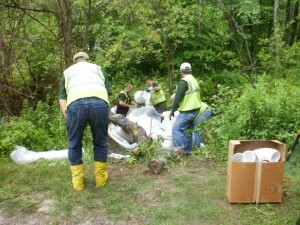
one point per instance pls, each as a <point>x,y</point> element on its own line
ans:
<point>202,109</point>
<point>84,80</point>
<point>157,97</point>
<point>192,99</point>
<point>127,99</point>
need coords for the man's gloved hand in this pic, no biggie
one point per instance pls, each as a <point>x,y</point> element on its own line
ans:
<point>162,119</point>
<point>149,89</point>
<point>171,114</point>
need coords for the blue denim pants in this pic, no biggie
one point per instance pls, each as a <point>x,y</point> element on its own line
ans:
<point>183,123</point>
<point>201,119</point>
<point>92,111</point>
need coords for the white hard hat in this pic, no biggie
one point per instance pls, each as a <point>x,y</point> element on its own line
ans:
<point>186,67</point>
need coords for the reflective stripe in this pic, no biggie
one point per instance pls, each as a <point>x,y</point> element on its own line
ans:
<point>191,90</point>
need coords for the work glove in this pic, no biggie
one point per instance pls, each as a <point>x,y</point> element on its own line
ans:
<point>149,89</point>
<point>162,119</point>
<point>171,114</point>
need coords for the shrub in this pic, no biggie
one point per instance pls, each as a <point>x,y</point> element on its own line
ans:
<point>269,111</point>
<point>39,128</point>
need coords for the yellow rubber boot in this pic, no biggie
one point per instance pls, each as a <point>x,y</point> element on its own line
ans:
<point>77,176</point>
<point>100,173</point>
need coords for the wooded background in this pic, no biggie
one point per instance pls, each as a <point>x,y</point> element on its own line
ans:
<point>245,55</point>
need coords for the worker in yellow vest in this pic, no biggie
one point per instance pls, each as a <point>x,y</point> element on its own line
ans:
<point>124,100</point>
<point>83,99</point>
<point>204,113</point>
<point>157,99</point>
<point>188,101</point>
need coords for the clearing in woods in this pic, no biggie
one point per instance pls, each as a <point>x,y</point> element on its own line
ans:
<point>189,192</point>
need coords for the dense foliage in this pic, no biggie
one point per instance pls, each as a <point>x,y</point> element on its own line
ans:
<point>245,55</point>
<point>268,111</point>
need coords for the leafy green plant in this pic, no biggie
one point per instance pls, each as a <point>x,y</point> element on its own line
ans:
<point>263,112</point>
<point>148,149</point>
<point>39,128</point>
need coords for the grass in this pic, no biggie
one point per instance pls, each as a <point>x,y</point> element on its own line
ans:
<point>191,192</point>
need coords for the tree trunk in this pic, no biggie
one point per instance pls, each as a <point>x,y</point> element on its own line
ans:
<point>135,132</point>
<point>287,21</point>
<point>63,14</point>
<point>87,26</point>
<point>5,63</point>
<point>159,164</point>
<point>294,29</point>
<point>201,15</point>
<point>276,34</point>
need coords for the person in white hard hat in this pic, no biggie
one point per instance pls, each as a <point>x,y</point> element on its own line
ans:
<point>83,99</point>
<point>188,102</point>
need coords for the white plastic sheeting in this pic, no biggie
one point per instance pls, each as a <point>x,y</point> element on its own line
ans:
<point>115,132</point>
<point>118,156</point>
<point>147,118</point>
<point>23,156</point>
<point>141,97</point>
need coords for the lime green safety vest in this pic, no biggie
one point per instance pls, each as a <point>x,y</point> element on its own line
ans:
<point>202,109</point>
<point>84,80</point>
<point>127,100</point>
<point>192,98</point>
<point>157,97</point>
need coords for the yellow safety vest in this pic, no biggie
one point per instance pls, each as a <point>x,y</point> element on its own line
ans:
<point>84,80</point>
<point>192,99</point>
<point>202,109</point>
<point>157,97</point>
<point>127,99</point>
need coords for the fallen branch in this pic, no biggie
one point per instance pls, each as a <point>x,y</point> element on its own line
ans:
<point>135,132</point>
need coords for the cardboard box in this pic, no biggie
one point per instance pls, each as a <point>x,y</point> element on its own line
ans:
<point>254,182</point>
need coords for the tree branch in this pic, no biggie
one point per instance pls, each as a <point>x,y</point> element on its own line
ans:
<point>35,19</point>
<point>16,91</point>
<point>16,6</point>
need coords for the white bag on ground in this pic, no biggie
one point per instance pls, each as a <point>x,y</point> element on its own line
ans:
<point>23,156</point>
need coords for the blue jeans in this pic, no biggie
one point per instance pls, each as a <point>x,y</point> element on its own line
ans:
<point>92,111</point>
<point>183,123</point>
<point>201,119</point>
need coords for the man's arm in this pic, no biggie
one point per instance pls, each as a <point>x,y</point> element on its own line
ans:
<point>62,104</point>
<point>106,82</point>
<point>122,100</point>
<point>62,95</point>
<point>156,87</point>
